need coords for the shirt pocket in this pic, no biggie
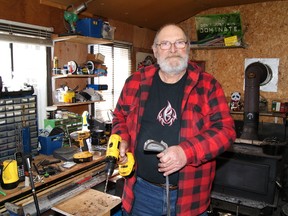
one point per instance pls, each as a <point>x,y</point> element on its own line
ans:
<point>195,119</point>
<point>131,116</point>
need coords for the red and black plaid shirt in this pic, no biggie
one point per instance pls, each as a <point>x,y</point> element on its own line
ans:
<point>207,130</point>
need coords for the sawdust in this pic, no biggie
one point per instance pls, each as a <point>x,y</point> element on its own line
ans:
<point>90,202</point>
<point>102,202</point>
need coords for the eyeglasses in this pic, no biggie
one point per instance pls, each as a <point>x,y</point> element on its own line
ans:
<point>166,45</point>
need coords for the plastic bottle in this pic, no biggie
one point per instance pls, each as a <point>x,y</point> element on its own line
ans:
<point>55,62</point>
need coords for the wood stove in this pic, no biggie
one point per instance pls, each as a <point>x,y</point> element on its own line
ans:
<point>246,178</point>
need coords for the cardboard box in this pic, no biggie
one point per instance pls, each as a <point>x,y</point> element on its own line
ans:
<point>49,124</point>
<point>100,57</point>
<point>96,57</point>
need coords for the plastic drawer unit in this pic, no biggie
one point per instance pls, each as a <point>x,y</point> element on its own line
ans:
<point>16,113</point>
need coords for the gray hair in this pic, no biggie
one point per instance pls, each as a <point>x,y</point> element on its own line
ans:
<point>170,24</point>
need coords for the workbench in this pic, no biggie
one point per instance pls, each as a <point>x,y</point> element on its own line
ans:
<point>76,175</point>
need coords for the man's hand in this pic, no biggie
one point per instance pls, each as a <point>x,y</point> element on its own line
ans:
<point>123,148</point>
<point>171,160</point>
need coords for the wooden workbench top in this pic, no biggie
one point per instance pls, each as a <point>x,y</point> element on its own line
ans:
<point>87,203</point>
<point>80,170</point>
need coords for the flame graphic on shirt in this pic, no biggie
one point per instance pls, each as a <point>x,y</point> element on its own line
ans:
<point>167,115</point>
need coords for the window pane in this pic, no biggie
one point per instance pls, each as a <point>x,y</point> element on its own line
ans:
<point>118,62</point>
<point>122,70</point>
<point>6,68</point>
<point>29,66</point>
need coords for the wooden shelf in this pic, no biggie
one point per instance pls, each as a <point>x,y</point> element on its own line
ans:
<point>81,39</point>
<point>76,104</point>
<point>199,47</point>
<point>271,114</point>
<point>74,76</point>
<point>69,47</point>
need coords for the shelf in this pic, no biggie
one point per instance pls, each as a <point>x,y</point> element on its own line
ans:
<point>74,76</point>
<point>76,104</point>
<point>75,48</point>
<point>81,39</point>
<point>199,47</point>
<point>272,114</point>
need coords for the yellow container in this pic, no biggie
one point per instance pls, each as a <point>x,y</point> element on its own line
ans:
<point>68,96</point>
<point>10,178</point>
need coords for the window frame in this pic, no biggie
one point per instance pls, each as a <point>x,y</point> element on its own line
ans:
<point>99,112</point>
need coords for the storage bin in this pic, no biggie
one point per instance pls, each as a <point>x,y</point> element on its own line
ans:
<point>50,143</point>
<point>90,27</point>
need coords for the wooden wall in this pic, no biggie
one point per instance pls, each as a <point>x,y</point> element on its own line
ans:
<point>32,12</point>
<point>266,34</point>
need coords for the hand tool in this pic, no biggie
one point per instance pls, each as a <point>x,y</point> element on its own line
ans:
<point>82,156</point>
<point>46,202</point>
<point>36,168</point>
<point>14,209</point>
<point>46,162</point>
<point>81,136</point>
<point>33,186</point>
<point>3,193</point>
<point>71,16</point>
<point>19,153</point>
<point>112,156</point>
<point>47,167</point>
<point>26,134</point>
<point>155,146</point>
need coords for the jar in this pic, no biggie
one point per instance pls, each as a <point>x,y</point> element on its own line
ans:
<point>64,114</point>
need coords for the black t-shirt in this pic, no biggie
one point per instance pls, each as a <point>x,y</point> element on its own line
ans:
<point>160,122</point>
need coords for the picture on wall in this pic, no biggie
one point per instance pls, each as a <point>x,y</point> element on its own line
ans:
<point>144,59</point>
<point>219,29</point>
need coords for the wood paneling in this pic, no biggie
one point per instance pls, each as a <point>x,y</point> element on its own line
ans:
<point>265,36</point>
<point>32,12</point>
<point>265,26</point>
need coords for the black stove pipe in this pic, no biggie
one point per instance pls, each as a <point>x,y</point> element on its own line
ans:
<point>256,74</point>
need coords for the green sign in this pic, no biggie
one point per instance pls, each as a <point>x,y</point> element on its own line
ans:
<point>211,27</point>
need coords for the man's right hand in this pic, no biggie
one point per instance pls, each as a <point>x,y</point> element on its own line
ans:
<point>123,148</point>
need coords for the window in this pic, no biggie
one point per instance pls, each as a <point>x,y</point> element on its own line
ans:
<point>118,62</point>
<point>25,63</point>
<point>24,53</point>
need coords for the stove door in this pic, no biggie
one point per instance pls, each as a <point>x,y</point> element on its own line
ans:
<point>246,176</point>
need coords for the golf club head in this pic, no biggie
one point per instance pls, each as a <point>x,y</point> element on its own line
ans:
<point>155,146</point>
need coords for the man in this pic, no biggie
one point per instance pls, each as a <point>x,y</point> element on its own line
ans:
<point>175,102</point>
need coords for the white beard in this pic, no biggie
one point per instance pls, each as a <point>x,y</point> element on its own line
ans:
<point>173,67</point>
